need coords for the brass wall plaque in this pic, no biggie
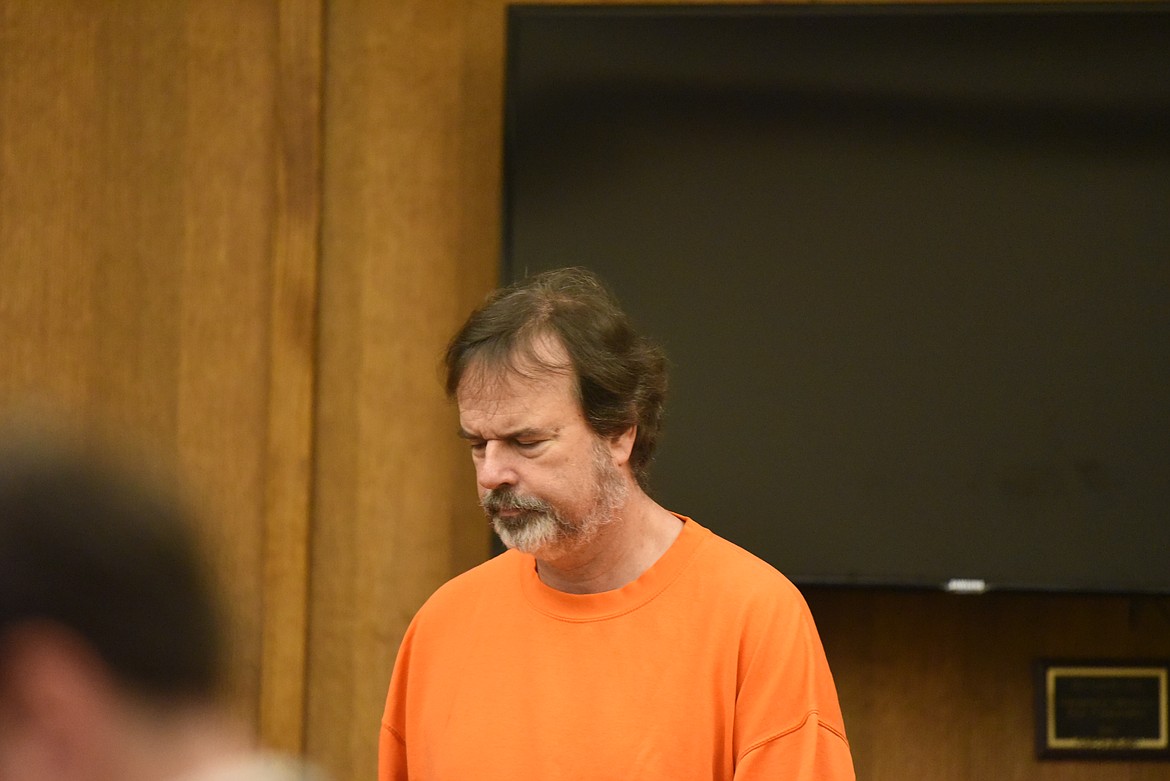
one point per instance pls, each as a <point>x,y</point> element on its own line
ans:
<point>1102,710</point>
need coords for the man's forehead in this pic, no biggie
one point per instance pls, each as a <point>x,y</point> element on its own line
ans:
<point>532,366</point>
<point>521,395</point>
<point>511,387</point>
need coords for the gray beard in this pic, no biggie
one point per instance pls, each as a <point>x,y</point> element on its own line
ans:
<point>541,529</point>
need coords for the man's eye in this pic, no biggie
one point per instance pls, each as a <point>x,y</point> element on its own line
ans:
<point>477,447</point>
<point>528,444</point>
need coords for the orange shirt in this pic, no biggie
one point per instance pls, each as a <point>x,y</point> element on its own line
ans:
<point>708,666</point>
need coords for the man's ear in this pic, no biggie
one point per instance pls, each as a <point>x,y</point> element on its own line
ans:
<point>622,445</point>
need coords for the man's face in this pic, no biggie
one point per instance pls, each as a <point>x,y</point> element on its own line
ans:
<point>546,481</point>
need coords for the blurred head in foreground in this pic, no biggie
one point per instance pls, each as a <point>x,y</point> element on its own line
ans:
<point>110,636</point>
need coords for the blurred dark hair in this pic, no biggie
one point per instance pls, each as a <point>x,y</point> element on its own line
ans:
<point>91,545</point>
<point>621,376</point>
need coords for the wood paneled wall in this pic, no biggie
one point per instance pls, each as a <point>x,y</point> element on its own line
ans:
<point>242,230</point>
<point>408,248</point>
<point>157,261</point>
<point>939,686</point>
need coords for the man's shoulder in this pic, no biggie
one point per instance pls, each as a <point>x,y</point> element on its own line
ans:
<point>741,590</point>
<point>727,564</point>
<point>723,552</point>
<point>486,579</point>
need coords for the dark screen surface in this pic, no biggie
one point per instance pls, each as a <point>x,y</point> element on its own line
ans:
<point>911,266</point>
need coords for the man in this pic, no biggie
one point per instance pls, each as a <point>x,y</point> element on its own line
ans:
<point>615,639</point>
<point>110,641</point>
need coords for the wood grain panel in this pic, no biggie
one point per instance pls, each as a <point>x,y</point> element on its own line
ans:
<point>137,224</point>
<point>49,139</point>
<point>940,686</point>
<point>227,219</point>
<point>394,506</point>
<point>292,362</point>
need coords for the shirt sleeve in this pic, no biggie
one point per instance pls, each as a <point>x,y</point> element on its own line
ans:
<point>391,756</point>
<point>814,751</point>
<point>788,719</point>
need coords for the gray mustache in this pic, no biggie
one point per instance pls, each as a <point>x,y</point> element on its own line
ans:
<point>500,499</point>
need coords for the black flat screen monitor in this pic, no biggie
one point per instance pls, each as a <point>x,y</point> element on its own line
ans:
<point>911,265</point>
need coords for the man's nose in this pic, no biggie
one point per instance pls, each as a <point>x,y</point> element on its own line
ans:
<point>496,467</point>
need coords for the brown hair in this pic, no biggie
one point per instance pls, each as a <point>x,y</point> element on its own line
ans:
<point>621,376</point>
<point>109,553</point>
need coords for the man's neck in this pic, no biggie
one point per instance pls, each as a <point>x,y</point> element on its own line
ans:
<point>623,549</point>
